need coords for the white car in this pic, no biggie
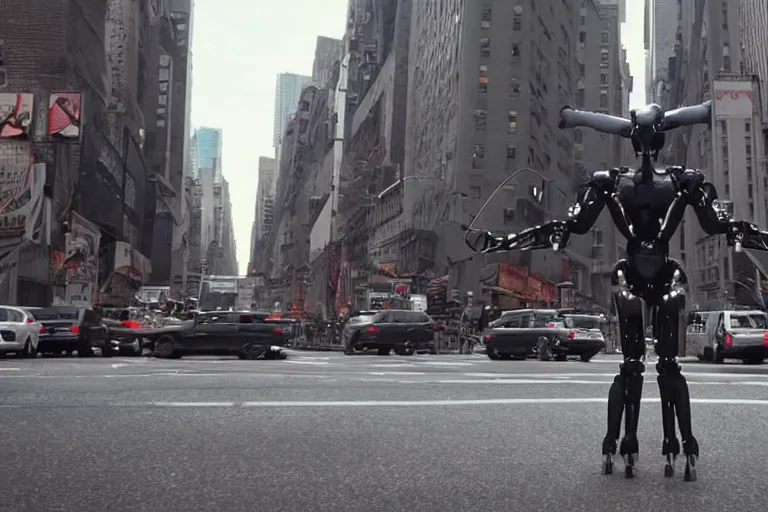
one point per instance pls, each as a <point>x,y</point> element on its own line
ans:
<point>19,332</point>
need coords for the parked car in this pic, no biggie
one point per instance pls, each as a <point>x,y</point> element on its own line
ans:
<point>575,335</point>
<point>70,328</point>
<point>129,344</point>
<point>245,334</point>
<point>19,332</point>
<point>549,334</point>
<point>728,334</point>
<point>403,331</point>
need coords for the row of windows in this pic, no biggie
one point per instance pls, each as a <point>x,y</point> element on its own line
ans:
<point>481,120</point>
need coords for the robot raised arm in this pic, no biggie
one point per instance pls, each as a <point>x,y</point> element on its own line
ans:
<point>714,217</point>
<point>555,234</point>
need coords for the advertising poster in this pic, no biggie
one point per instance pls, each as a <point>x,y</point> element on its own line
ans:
<point>64,114</point>
<point>81,260</point>
<point>9,261</point>
<point>16,115</point>
<point>22,203</point>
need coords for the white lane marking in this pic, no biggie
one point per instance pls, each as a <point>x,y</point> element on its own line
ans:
<point>570,375</point>
<point>444,363</point>
<point>381,374</point>
<point>428,403</point>
<point>393,365</point>
<point>558,381</point>
<point>314,363</point>
<point>10,369</point>
<point>193,404</point>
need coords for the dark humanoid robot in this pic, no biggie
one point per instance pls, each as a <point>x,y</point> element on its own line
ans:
<point>646,206</point>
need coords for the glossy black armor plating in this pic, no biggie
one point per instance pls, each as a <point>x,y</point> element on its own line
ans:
<point>647,206</point>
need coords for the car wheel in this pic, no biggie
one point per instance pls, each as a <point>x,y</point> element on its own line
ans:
<point>25,352</point>
<point>139,347</point>
<point>84,350</point>
<point>585,358</point>
<point>492,354</point>
<point>164,347</point>
<point>383,351</point>
<point>544,348</point>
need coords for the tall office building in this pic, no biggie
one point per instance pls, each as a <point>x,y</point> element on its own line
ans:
<point>207,151</point>
<point>287,91</point>
<point>327,52</point>
<point>663,37</point>
<point>264,211</point>
<point>490,107</point>
<point>716,61</point>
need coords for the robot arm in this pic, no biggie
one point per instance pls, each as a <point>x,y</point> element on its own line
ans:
<point>715,219</point>
<point>555,234</point>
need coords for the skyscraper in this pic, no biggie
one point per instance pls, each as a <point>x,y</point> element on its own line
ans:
<point>287,91</point>
<point>327,52</point>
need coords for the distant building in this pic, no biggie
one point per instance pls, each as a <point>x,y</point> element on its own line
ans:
<point>327,53</point>
<point>287,92</point>
<point>265,207</point>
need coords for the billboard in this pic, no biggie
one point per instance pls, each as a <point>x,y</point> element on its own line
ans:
<point>16,111</point>
<point>733,99</point>
<point>64,115</point>
<point>81,260</point>
<point>22,202</point>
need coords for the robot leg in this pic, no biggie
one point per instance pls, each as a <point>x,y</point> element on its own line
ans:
<point>673,388</point>
<point>626,390</point>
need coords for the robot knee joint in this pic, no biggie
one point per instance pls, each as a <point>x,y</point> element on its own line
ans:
<point>632,368</point>
<point>668,367</point>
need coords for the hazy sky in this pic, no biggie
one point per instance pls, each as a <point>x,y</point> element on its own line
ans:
<point>240,46</point>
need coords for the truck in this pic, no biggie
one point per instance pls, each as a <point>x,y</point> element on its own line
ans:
<point>246,287</point>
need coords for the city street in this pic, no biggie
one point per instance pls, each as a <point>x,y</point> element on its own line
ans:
<point>325,432</point>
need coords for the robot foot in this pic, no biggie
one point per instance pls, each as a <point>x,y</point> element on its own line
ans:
<point>690,468</point>
<point>607,464</point>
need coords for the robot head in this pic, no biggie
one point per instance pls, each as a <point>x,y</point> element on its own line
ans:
<point>646,140</point>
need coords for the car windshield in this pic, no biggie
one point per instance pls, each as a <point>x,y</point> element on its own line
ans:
<point>582,322</point>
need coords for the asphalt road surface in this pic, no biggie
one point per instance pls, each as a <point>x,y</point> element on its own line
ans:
<point>324,432</point>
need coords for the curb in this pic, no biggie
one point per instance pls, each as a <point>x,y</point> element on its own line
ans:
<point>318,348</point>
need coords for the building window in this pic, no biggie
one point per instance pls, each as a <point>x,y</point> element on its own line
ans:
<point>509,214</point>
<point>604,78</point>
<point>479,151</point>
<point>486,19</point>
<point>604,56</point>
<point>726,62</point>
<point>727,190</point>
<point>749,191</point>
<point>582,70</point>
<point>483,85</point>
<point>749,173</point>
<point>582,20</point>
<point>485,46</point>
<point>605,37</point>
<point>747,127</point>
<point>476,192</point>
<point>578,136</point>
<point>515,50</point>
<point>481,119</point>
<point>749,149</point>
<point>582,37</point>
<point>514,87</point>
<point>512,121</point>
<point>483,69</point>
<point>517,22</point>
<point>580,98</point>
<point>751,211</point>
<point>603,99</point>
<point>511,152</point>
<point>597,237</point>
